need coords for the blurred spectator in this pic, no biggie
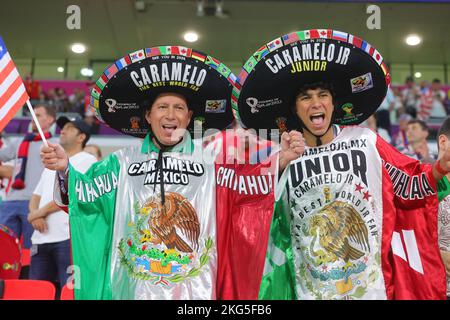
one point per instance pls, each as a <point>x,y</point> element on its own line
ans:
<point>432,102</point>
<point>371,123</point>
<point>43,98</point>
<point>60,100</point>
<point>410,96</point>
<point>34,90</point>
<point>438,96</point>
<point>51,244</point>
<point>424,86</point>
<point>398,105</point>
<point>400,140</point>
<point>387,107</point>
<point>76,101</point>
<point>51,94</point>
<point>92,121</point>
<point>94,150</point>
<point>33,87</point>
<point>417,133</point>
<point>27,171</point>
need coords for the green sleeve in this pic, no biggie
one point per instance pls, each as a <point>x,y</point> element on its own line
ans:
<point>443,187</point>
<point>278,282</point>
<point>92,198</point>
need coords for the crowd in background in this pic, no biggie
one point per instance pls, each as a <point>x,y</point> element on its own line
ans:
<point>424,102</point>
<point>413,105</point>
<point>76,102</point>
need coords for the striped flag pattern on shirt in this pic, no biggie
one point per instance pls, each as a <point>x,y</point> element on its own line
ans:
<point>12,91</point>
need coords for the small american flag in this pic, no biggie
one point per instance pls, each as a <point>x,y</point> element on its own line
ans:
<point>290,37</point>
<point>12,91</point>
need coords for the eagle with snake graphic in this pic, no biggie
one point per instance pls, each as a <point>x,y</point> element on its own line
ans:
<point>341,231</point>
<point>177,216</point>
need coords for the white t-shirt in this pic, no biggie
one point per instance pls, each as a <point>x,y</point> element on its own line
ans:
<point>57,222</point>
<point>438,110</point>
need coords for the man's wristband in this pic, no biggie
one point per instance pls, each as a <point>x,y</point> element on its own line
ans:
<point>63,173</point>
<point>439,168</point>
<point>62,179</point>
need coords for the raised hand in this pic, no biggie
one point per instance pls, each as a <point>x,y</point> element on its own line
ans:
<point>54,157</point>
<point>292,147</point>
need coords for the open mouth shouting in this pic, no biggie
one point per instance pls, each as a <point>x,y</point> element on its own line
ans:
<point>168,129</point>
<point>317,121</point>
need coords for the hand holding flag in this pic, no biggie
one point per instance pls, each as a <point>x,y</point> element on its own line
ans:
<point>54,157</point>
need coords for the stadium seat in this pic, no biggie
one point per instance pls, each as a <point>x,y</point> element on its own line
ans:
<point>67,293</point>
<point>28,290</point>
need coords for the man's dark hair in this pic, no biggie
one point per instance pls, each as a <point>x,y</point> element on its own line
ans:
<point>409,79</point>
<point>85,140</point>
<point>314,86</point>
<point>444,129</point>
<point>50,110</point>
<point>149,102</point>
<point>436,80</point>
<point>422,124</point>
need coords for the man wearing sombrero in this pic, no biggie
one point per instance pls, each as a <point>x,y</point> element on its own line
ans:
<point>143,219</point>
<point>353,219</point>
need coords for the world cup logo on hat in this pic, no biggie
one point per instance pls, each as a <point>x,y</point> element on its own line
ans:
<point>347,107</point>
<point>362,83</point>
<point>111,103</point>
<point>135,122</point>
<point>252,103</point>
<point>281,123</point>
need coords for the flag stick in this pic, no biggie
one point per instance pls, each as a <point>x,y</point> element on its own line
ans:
<point>38,126</point>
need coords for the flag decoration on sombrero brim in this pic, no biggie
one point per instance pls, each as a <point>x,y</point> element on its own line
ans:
<point>122,93</point>
<point>265,87</point>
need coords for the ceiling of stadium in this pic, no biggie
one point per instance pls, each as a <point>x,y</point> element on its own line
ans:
<point>112,28</point>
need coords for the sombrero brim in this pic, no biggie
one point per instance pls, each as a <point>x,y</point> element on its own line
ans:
<point>123,92</point>
<point>264,91</point>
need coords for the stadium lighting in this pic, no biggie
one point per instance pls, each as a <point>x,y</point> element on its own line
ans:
<point>87,72</point>
<point>413,40</point>
<point>60,69</point>
<point>190,36</point>
<point>78,48</point>
<point>418,74</point>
